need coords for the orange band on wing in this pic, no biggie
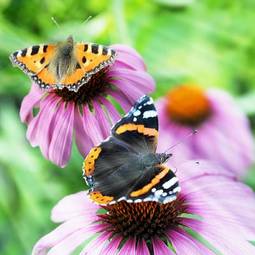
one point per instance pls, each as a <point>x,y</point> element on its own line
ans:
<point>153,182</point>
<point>89,162</point>
<point>99,198</point>
<point>139,128</point>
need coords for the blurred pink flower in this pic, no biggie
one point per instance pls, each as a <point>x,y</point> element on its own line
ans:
<point>223,136</point>
<point>87,113</point>
<point>212,203</point>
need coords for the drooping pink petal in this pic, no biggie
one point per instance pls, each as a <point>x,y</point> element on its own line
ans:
<point>71,242</point>
<point>96,246</point>
<point>225,239</point>
<point>112,246</point>
<point>102,119</point>
<point>194,169</point>
<point>72,206</point>
<point>129,89</point>
<point>30,101</point>
<point>61,142</point>
<point>183,243</point>
<point>124,102</point>
<point>113,113</point>
<point>129,247</point>
<point>160,248</point>
<point>128,58</point>
<point>61,233</point>
<point>142,248</point>
<point>143,81</point>
<point>34,124</point>
<point>91,126</point>
<point>46,127</point>
<point>83,141</point>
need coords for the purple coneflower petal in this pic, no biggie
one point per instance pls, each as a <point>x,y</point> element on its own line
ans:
<point>83,141</point>
<point>72,206</point>
<point>91,126</point>
<point>129,89</point>
<point>222,238</point>
<point>29,102</point>
<point>129,247</point>
<point>128,58</point>
<point>160,248</point>
<point>46,127</point>
<point>143,81</point>
<point>34,125</point>
<point>120,97</point>
<point>101,118</point>
<point>61,142</point>
<point>70,243</point>
<point>113,245</point>
<point>61,233</point>
<point>142,248</point>
<point>182,243</point>
<point>113,113</point>
<point>97,245</point>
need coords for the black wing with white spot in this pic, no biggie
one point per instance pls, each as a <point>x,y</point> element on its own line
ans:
<point>139,127</point>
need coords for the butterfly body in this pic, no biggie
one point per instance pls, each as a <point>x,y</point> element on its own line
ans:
<point>126,165</point>
<point>63,65</point>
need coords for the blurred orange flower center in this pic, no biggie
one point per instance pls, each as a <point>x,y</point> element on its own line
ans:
<point>188,105</point>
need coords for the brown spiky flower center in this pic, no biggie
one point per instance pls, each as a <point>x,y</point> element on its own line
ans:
<point>188,105</point>
<point>142,220</point>
<point>96,86</point>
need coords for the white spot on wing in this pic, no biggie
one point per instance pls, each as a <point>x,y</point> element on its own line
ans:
<point>149,114</point>
<point>149,102</point>
<point>170,183</point>
<point>158,192</point>
<point>137,113</point>
<point>153,190</point>
<point>169,199</point>
<point>177,190</point>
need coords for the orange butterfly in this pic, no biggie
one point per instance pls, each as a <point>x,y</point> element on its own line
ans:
<point>63,65</point>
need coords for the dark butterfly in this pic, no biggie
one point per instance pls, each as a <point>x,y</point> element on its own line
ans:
<point>126,165</point>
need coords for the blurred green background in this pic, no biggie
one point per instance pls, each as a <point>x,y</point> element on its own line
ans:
<point>210,42</point>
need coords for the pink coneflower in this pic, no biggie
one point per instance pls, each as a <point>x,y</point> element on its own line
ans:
<point>224,135</point>
<point>211,204</point>
<point>88,113</point>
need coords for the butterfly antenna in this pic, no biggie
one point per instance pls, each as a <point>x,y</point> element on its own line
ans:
<point>183,140</point>
<point>55,22</point>
<point>87,19</point>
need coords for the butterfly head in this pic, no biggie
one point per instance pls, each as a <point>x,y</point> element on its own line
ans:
<point>163,157</point>
<point>66,48</point>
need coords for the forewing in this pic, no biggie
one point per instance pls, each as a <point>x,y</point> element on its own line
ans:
<point>91,58</point>
<point>139,127</point>
<point>34,62</point>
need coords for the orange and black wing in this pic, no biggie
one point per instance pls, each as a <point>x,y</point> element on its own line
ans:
<point>34,62</point>
<point>91,58</point>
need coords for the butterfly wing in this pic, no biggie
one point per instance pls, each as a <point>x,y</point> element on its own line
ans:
<point>114,171</point>
<point>34,61</point>
<point>139,127</point>
<point>91,58</point>
<point>109,171</point>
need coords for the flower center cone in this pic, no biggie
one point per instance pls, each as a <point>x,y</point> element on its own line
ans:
<point>143,220</point>
<point>188,105</point>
